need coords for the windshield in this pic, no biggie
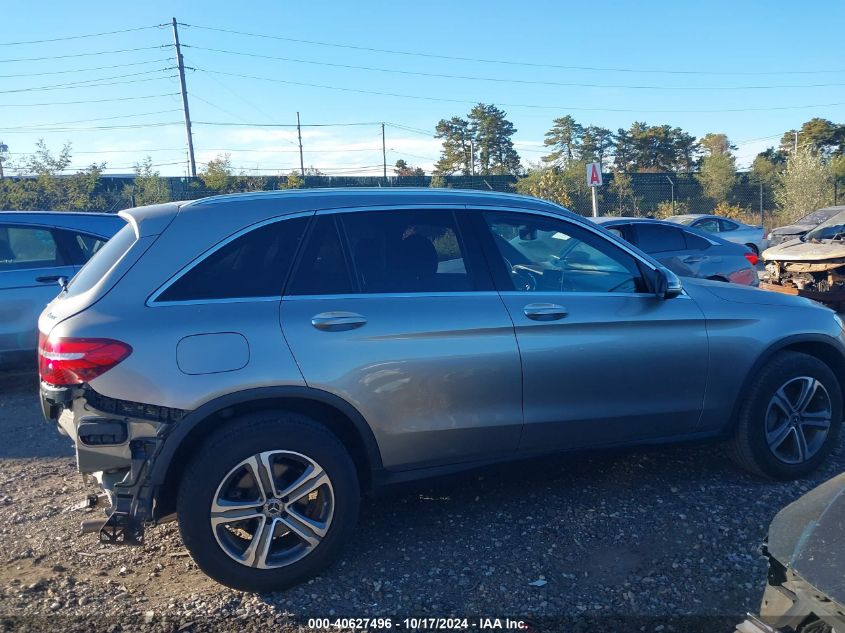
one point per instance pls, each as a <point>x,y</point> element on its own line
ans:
<point>818,216</point>
<point>833,228</point>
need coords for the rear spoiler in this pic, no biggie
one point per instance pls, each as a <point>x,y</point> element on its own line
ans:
<point>152,219</point>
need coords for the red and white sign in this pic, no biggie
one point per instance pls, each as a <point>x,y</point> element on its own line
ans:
<point>594,174</point>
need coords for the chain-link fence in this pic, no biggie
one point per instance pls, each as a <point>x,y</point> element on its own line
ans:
<point>636,194</point>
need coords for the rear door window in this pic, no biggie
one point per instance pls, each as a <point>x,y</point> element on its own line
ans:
<point>252,265</point>
<point>657,238</point>
<point>24,247</point>
<point>727,225</point>
<point>407,251</point>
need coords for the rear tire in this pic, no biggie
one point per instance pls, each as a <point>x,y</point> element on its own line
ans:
<point>243,510</point>
<point>790,418</point>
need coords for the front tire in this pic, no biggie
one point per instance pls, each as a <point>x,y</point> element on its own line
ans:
<point>790,419</point>
<point>268,501</point>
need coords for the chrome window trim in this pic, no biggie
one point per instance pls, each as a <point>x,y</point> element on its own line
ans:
<point>392,295</point>
<point>29,270</point>
<point>152,302</point>
<point>584,224</point>
<point>387,208</point>
<point>200,302</point>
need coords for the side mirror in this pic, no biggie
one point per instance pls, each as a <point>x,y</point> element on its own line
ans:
<point>667,284</point>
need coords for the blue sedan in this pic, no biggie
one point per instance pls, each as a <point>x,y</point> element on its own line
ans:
<point>36,250</point>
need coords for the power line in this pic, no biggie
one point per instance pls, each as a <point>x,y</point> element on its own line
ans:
<point>243,100</point>
<point>513,105</point>
<point>404,153</point>
<point>113,151</point>
<point>567,84</point>
<point>53,103</point>
<point>293,151</point>
<point>411,129</point>
<point>87,35</point>
<point>85,70</point>
<point>92,54</point>
<point>506,62</point>
<point>90,83</point>
<point>107,118</point>
<point>291,125</point>
<point>23,130</point>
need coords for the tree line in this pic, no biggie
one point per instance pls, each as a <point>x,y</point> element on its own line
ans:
<point>800,169</point>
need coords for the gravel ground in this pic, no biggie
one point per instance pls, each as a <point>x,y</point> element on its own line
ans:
<point>659,539</point>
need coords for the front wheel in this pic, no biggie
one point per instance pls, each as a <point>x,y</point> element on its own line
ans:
<point>790,418</point>
<point>268,501</point>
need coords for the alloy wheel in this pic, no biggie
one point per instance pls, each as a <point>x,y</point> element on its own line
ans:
<point>798,420</point>
<point>272,509</point>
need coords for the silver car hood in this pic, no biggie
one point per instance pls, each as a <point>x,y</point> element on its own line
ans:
<point>808,536</point>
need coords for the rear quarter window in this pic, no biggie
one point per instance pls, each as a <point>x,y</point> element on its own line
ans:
<point>252,265</point>
<point>696,242</point>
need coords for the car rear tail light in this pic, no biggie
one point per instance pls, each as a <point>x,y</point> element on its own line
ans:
<point>752,257</point>
<point>71,361</point>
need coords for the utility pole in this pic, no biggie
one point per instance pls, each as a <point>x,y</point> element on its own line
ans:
<point>795,143</point>
<point>5,148</point>
<point>299,134</point>
<point>472,157</point>
<point>181,65</point>
<point>383,152</point>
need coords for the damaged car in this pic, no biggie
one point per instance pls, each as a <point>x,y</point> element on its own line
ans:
<point>812,265</point>
<point>252,363</point>
<point>805,549</point>
<point>801,227</point>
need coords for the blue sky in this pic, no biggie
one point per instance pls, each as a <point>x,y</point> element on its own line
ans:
<point>688,60</point>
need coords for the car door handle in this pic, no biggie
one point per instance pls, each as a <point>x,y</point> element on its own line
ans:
<point>545,311</point>
<point>692,259</point>
<point>337,321</point>
<point>62,280</point>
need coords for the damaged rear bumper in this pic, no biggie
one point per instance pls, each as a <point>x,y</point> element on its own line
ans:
<point>116,443</point>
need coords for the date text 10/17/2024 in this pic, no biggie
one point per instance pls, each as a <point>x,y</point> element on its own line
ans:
<point>433,624</point>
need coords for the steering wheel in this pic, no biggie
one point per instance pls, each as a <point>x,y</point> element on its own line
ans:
<point>524,279</point>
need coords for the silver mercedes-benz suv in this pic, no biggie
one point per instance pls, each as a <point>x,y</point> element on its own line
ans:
<point>254,363</point>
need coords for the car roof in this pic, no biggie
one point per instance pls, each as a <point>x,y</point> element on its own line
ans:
<point>710,237</point>
<point>338,197</point>
<point>607,219</point>
<point>102,224</point>
<point>244,208</point>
